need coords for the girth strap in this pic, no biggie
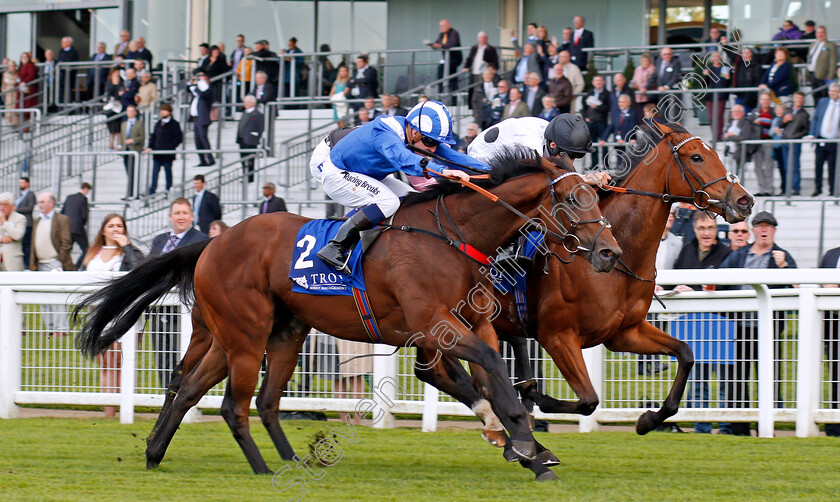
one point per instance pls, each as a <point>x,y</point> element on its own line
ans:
<point>366,313</point>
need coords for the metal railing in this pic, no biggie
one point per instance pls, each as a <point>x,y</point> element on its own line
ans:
<point>789,378</point>
<point>789,170</point>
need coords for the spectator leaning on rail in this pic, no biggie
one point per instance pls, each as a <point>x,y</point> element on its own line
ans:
<point>822,62</point>
<point>788,31</point>
<point>763,253</point>
<point>826,125</point>
<point>12,229</point>
<point>831,335</point>
<point>705,252</point>
<point>668,71</point>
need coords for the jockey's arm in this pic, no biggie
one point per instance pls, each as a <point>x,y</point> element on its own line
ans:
<point>449,153</point>
<point>392,147</point>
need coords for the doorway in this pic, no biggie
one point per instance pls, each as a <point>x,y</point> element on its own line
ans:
<point>52,25</point>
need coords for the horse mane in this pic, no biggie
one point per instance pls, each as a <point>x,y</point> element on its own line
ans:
<point>509,162</point>
<point>651,130</point>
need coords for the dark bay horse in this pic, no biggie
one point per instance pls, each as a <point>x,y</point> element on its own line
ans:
<point>574,308</point>
<point>241,286</point>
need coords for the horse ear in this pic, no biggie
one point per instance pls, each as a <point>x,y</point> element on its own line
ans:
<point>563,162</point>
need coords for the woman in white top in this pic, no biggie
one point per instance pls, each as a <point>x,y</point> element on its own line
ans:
<point>111,251</point>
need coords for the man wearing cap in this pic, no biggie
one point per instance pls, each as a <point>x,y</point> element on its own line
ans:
<point>358,171</point>
<point>763,253</point>
<point>166,135</point>
<point>203,58</point>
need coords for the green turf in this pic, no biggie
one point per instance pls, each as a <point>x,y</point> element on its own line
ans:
<point>68,459</point>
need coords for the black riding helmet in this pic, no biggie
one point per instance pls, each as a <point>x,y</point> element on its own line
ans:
<point>571,135</point>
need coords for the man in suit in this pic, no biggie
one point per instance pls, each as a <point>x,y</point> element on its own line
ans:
<point>668,70</point>
<point>446,40</point>
<point>266,92</point>
<point>67,77</point>
<point>203,58</point>
<point>270,203</point>
<point>132,139</point>
<point>822,62</point>
<point>121,49</point>
<point>582,39</point>
<point>142,52</point>
<point>390,109</point>
<point>483,94</point>
<point>12,228</point>
<point>271,67</point>
<point>533,93</point>
<point>796,124</point>
<point>96,77</point>
<point>166,135</point>
<point>51,245</point>
<point>831,332</point>
<point>516,107</point>
<point>25,204</point>
<point>596,108</point>
<point>826,124</point>
<point>200,105</point>
<point>131,88</point>
<point>76,208</point>
<point>621,124</point>
<point>530,62</point>
<point>238,53</point>
<point>248,134</point>
<point>482,57</point>
<point>620,87</point>
<point>165,321</point>
<point>365,82</point>
<point>206,204</point>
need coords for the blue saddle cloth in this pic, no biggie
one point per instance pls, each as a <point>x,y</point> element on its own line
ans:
<point>310,274</point>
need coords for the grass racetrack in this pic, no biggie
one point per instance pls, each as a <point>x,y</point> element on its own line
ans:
<point>83,459</point>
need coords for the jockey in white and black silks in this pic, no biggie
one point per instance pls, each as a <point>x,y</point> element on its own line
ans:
<point>357,171</point>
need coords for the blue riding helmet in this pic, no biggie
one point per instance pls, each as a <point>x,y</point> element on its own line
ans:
<point>432,120</point>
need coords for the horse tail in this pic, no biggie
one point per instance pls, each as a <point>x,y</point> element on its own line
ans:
<point>117,306</point>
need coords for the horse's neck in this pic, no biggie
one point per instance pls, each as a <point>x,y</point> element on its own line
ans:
<point>486,225</point>
<point>638,220</point>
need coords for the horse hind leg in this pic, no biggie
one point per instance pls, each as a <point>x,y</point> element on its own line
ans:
<point>644,338</point>
<point>282,353</point>
<point>211,370</point>
<point>200,343</point>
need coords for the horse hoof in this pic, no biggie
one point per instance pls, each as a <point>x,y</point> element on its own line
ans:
<point>496,438</point>
<point>151,465</point>
<point>547,459</point>
<point>524,449</point>
<point>509,455</point>
<point>646,423</point>
<point>547,476</point>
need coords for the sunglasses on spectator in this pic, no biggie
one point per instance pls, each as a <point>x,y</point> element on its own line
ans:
<point>429,141</point>
<point>740,231</point>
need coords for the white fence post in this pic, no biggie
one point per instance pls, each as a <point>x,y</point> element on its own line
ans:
<point>10,352</point>
<point>384,384</point>
<point>809,363</point>
<point>430,402</point>
<point>766,385</point>
<point>594,359</point>
<point>193,415</point>
<point>128,372</point>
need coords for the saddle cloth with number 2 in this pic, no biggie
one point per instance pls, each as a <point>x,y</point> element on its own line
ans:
<point>311,275</point>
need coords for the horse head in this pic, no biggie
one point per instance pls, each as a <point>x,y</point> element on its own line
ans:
<point>697,175</point>
<point>573,216</point>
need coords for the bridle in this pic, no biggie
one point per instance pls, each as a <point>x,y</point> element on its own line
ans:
<point>699,197</point>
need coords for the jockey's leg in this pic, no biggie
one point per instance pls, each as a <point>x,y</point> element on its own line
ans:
<point>376,200</point>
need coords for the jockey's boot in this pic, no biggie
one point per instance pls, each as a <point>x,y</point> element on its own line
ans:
<point>347,237</point>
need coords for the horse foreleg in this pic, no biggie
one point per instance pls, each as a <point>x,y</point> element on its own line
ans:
<point>281,356</point>
<point>567,355</point>
<point>211,370</point>
<point>525,382</point>
<point>644,338</point>
<point>449,376</point>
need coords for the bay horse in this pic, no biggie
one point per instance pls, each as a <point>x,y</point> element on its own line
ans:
<point>241,287</point>
<point>575,309</point>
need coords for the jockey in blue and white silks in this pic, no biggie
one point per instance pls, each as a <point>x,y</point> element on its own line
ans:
<point>357,171</point>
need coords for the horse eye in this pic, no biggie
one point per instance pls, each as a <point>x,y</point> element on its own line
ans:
<point>697,158</point>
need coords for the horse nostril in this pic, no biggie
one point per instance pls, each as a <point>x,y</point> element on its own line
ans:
<point>745,201</point>
<point>607,254</point>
